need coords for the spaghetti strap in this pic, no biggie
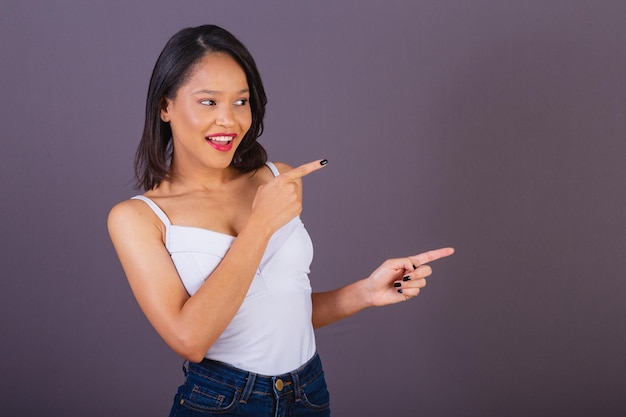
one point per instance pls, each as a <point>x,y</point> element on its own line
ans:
<point>156,209</point>
<point>273,168</point>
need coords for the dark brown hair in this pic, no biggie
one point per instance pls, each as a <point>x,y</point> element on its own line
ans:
<point>171,70</point>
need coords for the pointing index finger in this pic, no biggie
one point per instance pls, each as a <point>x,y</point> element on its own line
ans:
<point>305,169</point>
<point>432,255</point>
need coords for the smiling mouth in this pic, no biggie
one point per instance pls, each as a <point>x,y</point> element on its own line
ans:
<point>221,142</point>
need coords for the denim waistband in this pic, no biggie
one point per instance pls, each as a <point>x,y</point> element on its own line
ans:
<point>249,382</point>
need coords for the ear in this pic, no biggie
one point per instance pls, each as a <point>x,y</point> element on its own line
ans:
<point>165,105</point>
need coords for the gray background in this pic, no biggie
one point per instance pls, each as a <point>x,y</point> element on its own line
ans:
<point>493,126</point>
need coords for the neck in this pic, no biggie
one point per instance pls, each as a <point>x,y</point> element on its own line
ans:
<point>194,178</point>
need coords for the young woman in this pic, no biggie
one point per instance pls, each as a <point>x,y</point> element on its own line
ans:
<point>214,250</point>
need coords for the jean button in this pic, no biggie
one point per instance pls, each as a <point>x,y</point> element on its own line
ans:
<point>279,384</point>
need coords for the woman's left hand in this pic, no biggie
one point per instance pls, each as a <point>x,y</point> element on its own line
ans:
<point>399,279</point>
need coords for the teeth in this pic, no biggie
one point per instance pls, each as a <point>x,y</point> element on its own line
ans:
<point>224,139</point>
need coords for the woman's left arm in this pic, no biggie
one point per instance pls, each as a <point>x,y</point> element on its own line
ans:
<point>395,280</point>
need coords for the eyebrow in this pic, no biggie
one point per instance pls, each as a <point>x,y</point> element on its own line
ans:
<point>215,92</point>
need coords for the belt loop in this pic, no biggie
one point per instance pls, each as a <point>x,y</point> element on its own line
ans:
<point>296,386</point>
<point>185,362</point>
<point>247,389</point>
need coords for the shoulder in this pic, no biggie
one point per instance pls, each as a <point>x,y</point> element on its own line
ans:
<point>126,209</point>
<point>131,215</point>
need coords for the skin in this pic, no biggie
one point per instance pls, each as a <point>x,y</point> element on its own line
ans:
<point>200,184</point>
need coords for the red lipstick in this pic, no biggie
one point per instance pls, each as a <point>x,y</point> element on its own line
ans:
<point>222,142</point>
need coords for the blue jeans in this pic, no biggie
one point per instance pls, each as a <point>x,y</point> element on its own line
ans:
<point>213,388</point>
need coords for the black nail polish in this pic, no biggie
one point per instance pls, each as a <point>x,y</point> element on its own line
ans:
<point>407,278</point>
<point>414,267</point>
<point>400,290</point>
<point>397,284</point>
<point>323,161</point>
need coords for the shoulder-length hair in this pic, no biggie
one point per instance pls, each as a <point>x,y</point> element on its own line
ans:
<point>172,69</point>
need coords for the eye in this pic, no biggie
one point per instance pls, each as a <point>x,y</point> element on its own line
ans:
<point>208,102</point>
<point>241,102</point>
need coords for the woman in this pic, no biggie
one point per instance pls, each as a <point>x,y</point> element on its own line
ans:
<point>214,250</point>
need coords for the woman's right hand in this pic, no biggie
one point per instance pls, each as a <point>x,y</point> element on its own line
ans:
<point>280,200</point>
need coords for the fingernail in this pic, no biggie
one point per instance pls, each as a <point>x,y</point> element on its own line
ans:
<point>414,267</point>
<point>400,290</point>
<point>406,278</point>
<point>397,284</point>
<point>323,161</point>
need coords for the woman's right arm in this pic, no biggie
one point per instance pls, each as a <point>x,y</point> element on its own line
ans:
<point>190,325</point>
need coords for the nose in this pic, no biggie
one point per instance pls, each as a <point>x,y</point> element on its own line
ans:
<point>225,116</point>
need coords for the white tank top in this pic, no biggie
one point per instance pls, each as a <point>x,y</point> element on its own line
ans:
<point>272,333</point>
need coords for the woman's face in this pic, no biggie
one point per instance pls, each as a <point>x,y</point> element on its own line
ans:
<point>210,114</point>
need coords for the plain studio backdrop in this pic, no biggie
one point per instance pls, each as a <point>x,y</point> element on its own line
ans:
<point>496,127</point>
